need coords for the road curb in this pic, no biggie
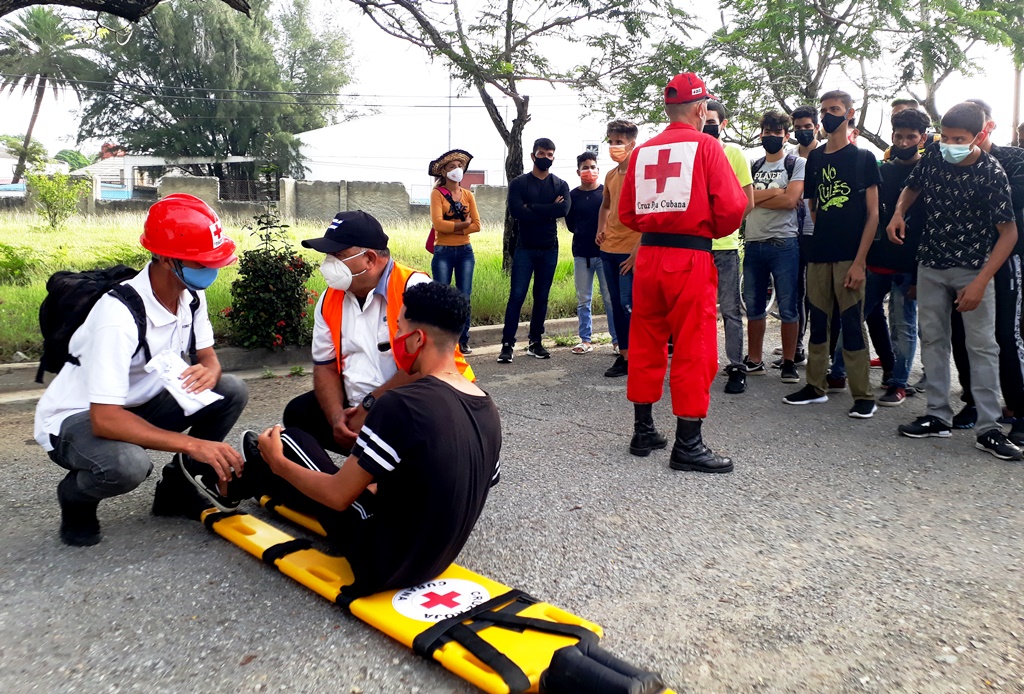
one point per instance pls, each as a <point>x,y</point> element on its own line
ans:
<point>18,386</point>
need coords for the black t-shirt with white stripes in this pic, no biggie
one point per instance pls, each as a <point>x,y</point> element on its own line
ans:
<point>434,453</point>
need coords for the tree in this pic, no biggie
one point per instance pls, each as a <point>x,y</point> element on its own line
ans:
<point>40,50</point>
<point>34,155</point>
<point>197,79</point>
<point>73,158</point>
<point>132,10</point>
<point>500,48</point>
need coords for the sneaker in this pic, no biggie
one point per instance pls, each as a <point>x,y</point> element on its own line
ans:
<point>505,356</point>
<point>920,385</point>
<point>875,363</point>
<point>79,526</point>
<point>886,379</point>
<point>204,479</point>
<point>966,418</point>
<point>836,384</point>
<point>995,442</point>
<point>536,349</point>
<point>894,397</point>
<point>737,379</point>
<point>923,427</point>
<point>754,368</point>
<point>175,497</point>
<point>789,373</point>
<point>465,349</point>
<point>777,351</point>
<point>808,395</point>
<point>863,409</point>
<point>1017,433</point>
<point>799,360</point>
<point>619,368</point>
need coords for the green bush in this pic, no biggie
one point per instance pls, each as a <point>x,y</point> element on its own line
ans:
<point>56,196</point>
<point>16,264</point>
<point>132,255</point>
<point>270,301</point>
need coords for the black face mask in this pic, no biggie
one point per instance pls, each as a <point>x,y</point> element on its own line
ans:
<point>771,143</point>
<point>712,129</point>
<point>903,153</point>
<point>832,122</point>
<point>804,137</point>
<point>542,163</point>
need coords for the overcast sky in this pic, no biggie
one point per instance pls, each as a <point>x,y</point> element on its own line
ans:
<point>413,122</point>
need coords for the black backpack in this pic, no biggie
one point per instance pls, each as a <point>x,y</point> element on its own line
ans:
<point>790,164</point>
<point>70,297</point>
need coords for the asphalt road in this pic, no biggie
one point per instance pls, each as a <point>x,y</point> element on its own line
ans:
<point>838,557</point>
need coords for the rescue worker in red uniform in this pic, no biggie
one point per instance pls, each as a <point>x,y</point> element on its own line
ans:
<point>680,193</point>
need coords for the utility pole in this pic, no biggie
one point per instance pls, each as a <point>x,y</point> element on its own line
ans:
<point>1017,141</point>
<point>449,112</point>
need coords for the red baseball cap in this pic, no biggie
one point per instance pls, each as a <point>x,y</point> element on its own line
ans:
<point>686,88</point>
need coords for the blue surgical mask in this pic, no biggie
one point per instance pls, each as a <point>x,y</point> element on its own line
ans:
<point>196,279</point>
<point>955,154</point>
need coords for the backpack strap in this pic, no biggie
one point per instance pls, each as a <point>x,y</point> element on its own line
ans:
<point>756,166</point>
<point>790,164</point>
<point>127,295</point>
<point>194,308</point>
<point>447,195</point>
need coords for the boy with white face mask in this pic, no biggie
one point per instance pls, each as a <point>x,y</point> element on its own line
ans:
<point>354,324</point>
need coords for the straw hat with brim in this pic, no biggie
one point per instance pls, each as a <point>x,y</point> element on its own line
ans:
<point>436,167</point>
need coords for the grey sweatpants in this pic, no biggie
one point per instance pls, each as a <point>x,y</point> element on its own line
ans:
<point>936,292</point>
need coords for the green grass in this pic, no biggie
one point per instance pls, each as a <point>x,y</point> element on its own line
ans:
<point>101,241</point>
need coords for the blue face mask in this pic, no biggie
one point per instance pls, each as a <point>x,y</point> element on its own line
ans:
<point>196,279</point>
<point>955,154</point>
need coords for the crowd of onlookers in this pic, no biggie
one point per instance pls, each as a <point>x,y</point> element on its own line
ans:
<point>843,249</point>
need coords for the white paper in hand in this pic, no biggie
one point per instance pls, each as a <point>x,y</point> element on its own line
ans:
<point>169,366</point>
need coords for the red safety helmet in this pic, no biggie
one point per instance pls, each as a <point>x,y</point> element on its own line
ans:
<point>184,227</point>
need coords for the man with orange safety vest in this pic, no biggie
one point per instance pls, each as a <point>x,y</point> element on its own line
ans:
<point>680,192</point>
<point>105,410</point>
<point>354,327</point>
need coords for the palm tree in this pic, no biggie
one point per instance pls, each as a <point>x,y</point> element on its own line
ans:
<point>40,49</point>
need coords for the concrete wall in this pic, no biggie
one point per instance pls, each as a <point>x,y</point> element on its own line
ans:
<point>490,203</point>
<point>311,200</point>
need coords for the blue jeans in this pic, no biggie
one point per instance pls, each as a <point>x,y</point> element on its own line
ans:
<point>778,260</point>
<point>583,271</point>
<point>460,261</point>
<point>620,294</point>
<point>526,264</point>
<point>902,323</point>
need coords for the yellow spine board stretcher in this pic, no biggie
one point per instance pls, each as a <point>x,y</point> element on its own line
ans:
<point>496,638</point>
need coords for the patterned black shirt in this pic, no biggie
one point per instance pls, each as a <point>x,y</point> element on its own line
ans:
<point>963,205</point>
<point>1012,161</point>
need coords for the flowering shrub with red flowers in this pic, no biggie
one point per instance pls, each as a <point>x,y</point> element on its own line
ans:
<point>269,298</point>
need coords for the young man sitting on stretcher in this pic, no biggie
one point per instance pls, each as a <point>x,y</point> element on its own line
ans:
<point>431,448</point>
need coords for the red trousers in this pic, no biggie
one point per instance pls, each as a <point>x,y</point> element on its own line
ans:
<point>674,293</point>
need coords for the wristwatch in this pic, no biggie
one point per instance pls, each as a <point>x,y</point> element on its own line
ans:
<point>368,402</point>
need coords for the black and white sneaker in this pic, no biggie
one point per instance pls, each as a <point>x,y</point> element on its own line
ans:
<point>995,442</point>
<point>204,478</point>
<point>619,368</point>
<point>924,427</point>
<point>506,355</point>
<point>800,359</point>
<point>465,349</point>
<point>536,349</point>
<point>966,418</point>
<point>789,373</point>
<point>737,382</point>
<point>808,395</point>
<point>863,409</point>
<point>754,368</point>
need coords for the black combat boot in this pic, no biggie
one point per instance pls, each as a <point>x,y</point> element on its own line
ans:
<point>690,453</point>
<point>79,526</point>
<point>645,437</point>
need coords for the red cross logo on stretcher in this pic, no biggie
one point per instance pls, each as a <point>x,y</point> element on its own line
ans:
<point>433,599</point>
<point>439,599</point>
<point>662,170</point>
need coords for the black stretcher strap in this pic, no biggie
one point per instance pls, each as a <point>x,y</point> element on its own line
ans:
<point>430,640</point>
<point>213,518</point>
<point>512,674</point>
<point>282,549</point>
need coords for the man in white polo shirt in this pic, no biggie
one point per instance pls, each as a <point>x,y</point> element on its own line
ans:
<point>353,328</point>
<point>104,410</point>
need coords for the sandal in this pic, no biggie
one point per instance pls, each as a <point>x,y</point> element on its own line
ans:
<point>615,349</point>
<point>583,348</point>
